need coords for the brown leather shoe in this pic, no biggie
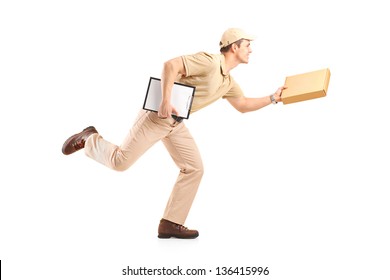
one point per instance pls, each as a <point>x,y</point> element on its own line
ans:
<point>76,142</point>
<point>168,229</point>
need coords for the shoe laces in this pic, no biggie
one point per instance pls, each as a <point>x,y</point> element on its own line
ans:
<point>78,145</point>
<point>181,227</point>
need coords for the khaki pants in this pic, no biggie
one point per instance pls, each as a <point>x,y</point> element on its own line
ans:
<point>147,130</point>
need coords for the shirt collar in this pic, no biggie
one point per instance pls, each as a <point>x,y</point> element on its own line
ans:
<point>223,66</point>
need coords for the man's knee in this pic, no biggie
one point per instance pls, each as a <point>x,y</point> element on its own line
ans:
<point>121,162</point>
<point>196,169</point>
<point>120,167</point>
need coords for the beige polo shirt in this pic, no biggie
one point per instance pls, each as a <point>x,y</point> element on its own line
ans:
<point>207,72</point>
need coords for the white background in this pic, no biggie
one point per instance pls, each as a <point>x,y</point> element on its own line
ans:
<point>300,188</point>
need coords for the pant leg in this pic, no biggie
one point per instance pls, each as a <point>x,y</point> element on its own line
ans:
<point>184,151</point>
<point>146,131</point>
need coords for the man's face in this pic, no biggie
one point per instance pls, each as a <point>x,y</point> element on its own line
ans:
<point>243,51</point>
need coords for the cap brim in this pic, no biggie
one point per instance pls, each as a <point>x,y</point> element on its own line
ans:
<point>249,37</point>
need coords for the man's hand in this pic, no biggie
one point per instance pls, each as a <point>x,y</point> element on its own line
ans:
<point>166,110</point>
<point>278,94</point>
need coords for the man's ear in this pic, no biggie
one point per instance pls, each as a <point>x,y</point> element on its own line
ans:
<point>234,47</point>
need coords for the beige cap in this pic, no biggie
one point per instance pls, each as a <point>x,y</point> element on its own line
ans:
<point>233,35</point>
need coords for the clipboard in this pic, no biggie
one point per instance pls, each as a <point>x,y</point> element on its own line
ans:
<point>181,97</point>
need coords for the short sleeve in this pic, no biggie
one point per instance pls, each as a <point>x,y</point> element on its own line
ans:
<point>235,90</point>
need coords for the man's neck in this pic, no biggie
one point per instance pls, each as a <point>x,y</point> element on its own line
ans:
<point>230,62</point>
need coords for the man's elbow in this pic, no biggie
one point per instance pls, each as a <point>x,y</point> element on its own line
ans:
<point>242,107</point>
<point>244,110</point>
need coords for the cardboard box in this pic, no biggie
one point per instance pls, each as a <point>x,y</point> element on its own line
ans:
<point>306,86</point>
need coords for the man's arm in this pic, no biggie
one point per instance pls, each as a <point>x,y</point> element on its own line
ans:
<point>244,104</point>
<point>172,68</point>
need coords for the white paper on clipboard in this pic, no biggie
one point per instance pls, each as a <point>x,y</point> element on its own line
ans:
<point>181,97</point>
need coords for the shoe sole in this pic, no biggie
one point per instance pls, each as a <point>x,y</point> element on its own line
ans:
<point>166,236</point>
